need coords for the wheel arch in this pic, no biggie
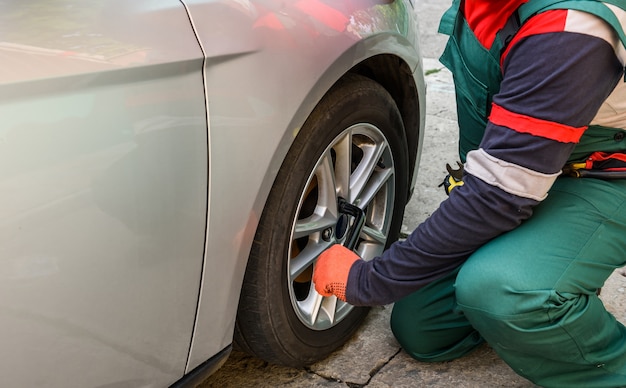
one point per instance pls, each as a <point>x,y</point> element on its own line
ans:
<point>399,80</point>
<point>401,75</point>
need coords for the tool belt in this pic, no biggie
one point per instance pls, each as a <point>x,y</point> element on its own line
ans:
<point>601,165</point>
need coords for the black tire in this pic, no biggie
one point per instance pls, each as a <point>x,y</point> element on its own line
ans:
<point>272,321</point>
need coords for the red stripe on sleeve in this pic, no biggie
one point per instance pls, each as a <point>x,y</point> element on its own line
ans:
<point>534,126</point>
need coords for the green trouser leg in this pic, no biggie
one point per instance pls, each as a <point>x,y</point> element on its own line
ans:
<point>531,293</point>
<point>429,325</point>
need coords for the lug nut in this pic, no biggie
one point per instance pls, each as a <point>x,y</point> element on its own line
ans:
<point>327,234</point>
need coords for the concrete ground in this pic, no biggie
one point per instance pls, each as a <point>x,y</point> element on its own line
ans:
<point>373,358</point>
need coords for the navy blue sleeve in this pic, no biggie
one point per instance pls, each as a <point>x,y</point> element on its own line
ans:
<point>472,215</point>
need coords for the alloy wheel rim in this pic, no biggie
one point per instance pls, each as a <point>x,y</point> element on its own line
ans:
<point>356,167</point>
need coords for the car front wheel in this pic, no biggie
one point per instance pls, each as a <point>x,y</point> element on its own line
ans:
<point>351,151</point>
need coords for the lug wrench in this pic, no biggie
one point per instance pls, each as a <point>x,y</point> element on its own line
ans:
<point>352,235</point>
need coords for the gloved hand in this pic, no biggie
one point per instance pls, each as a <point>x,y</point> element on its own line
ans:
<point>330,273</point>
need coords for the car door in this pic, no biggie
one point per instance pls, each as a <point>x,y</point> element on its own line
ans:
<point>103,185</point>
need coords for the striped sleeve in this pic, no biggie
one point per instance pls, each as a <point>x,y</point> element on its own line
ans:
<point>554,82</point>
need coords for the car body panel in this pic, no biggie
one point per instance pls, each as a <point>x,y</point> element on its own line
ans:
<point>138,143</point>
<point>307,45</point>
<point>103,149</point>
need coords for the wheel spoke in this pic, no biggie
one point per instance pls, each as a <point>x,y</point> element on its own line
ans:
<point>374,235</point>
<point>343,155</point>
<point>317,308</point>
<point>377,181</point>
<point>306,258</point>
<point>314,224</point>
<point>329,307</point>
<point>311,306</point>
<point>361,175</point>
<point>369,250</point>
<point>327,188</point>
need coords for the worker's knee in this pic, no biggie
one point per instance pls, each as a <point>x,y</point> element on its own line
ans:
<point>496,290</point>
<point>512,298</point>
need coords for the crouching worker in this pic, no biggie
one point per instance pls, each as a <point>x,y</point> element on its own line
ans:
<point>515,255</point>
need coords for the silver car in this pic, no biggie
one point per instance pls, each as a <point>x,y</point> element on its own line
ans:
<point>170,171</point>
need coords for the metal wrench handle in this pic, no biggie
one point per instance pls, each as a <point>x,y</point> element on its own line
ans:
<point>354,231</point>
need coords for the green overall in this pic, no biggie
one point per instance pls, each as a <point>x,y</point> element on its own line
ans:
<point>531,293</point>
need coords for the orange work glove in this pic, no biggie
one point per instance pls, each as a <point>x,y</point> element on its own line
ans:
<point>330,273</point>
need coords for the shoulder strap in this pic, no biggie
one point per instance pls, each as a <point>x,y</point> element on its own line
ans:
<point>446,24</point>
